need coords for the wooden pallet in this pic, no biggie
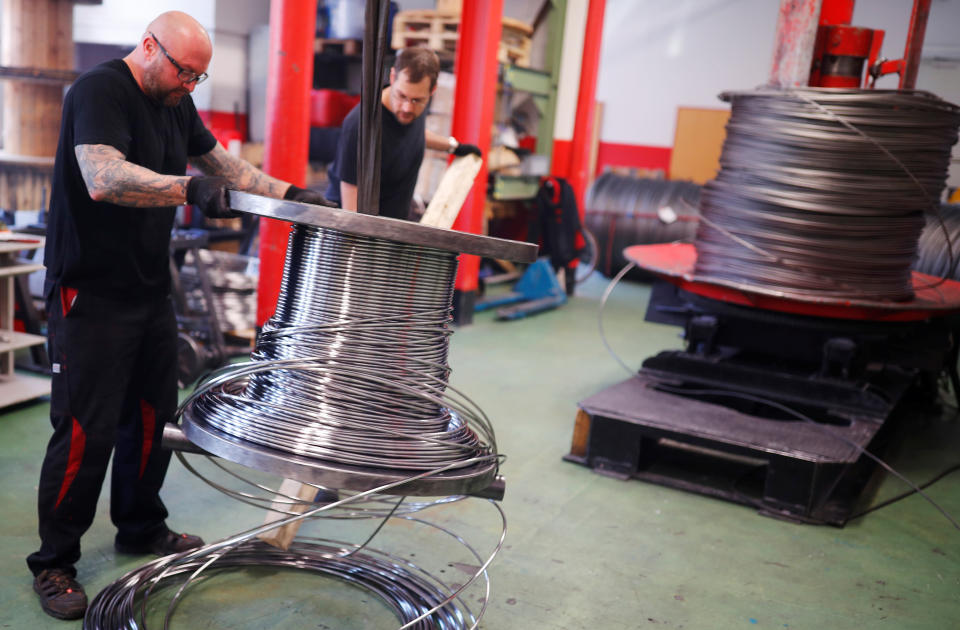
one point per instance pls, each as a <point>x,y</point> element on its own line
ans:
<point>349,47</point>
<point>431,29</point>
<point>438,30</point>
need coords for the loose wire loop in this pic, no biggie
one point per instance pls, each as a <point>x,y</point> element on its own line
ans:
<point>352,369</point>
<point>823,192</point>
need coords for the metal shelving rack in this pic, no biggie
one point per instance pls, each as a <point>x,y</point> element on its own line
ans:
<point>16,388</point>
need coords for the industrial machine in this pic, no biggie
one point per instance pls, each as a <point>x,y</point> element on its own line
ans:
<point>778,398</point>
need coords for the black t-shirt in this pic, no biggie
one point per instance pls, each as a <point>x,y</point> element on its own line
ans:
<point>401,153</point>
<point>100,247</point>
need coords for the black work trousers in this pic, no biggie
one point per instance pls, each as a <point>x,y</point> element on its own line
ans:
<point>114,387</point>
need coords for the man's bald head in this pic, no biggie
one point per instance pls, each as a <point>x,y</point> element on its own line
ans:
<point>181,32</point>
<point>172,39</point>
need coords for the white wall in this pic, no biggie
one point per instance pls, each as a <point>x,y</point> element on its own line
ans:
<point>234,20</point>
<point>657,56</point>
<point>229,22</point>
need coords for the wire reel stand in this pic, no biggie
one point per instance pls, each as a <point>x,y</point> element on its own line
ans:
<point>696,419</point>
<point>473,480</point>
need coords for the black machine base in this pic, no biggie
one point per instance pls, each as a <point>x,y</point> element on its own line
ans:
<point>794,469</point>
<point>771,410</point>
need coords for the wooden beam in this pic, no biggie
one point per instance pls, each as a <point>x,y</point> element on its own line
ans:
<point>38,75</point>
<point>452,191</point>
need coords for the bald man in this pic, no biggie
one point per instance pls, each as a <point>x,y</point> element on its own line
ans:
<point>129,128</point>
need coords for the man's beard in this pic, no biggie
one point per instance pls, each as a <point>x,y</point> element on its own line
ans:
<point>167,98</point>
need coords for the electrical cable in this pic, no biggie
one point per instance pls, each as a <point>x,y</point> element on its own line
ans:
<point>761,400</point>
<point>824,182</point>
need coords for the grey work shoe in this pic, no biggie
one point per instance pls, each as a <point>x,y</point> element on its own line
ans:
<point>61,596</point>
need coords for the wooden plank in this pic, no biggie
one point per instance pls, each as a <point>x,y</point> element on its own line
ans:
<point>581,434</point>
<point>452,192</point>
<point>281,537</point>
<point>697,143</point>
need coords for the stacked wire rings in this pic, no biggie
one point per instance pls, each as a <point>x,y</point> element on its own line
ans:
<point>352,369</point>
<point>822,192</point>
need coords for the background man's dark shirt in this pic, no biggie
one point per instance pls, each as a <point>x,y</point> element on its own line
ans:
<point>402,149</point>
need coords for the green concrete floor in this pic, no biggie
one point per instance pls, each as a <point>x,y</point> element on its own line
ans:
<point>583,551</point>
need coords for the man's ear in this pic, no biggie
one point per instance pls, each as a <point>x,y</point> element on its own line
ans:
<point>393,76</point>
<point>149,46</point>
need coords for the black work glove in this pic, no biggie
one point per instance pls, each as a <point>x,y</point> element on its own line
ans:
<point>210,195</point>
<point>303,195</point>
<point>467,149</point>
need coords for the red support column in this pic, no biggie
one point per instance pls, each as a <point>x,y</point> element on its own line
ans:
<point>474,99</point>
<point>289,79</point>
<point>914,47</point>
<point>583,126</point>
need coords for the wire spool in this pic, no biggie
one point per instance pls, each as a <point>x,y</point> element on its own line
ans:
<point>938,244</point>
<point>623,211</point>
<point>822,192</point>
<point>350,375</point>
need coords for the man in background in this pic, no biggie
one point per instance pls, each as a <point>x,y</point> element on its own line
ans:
<point>129,127</point>
<point>404,136</point>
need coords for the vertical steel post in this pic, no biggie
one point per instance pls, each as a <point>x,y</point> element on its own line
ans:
<point>914,47</point>
<point>474,100</point>
<point>583,127</point>
<point>793,47</point>
<point>287,139</point>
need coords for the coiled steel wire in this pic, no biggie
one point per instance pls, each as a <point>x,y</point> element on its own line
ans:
<point>417,597</point>
<point>352,368</point>
<point>938,243</point>
<point>622,210</point>
<point>822,192</point>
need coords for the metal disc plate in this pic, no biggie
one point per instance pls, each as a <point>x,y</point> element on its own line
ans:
<point>383,227</point>
<point>332,475</point>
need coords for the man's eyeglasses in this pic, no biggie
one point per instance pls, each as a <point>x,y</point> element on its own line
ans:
<point>403,98</point>
<point>186,76</point>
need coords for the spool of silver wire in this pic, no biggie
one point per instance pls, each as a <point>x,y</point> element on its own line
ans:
<point>622,211</point>
<point>938,244</point>
<point>822,192</point>
<point>352,369</point>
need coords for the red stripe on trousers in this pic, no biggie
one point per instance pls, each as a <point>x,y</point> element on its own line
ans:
<point>78,441</point>
<point>67,297</point>
<point>149,418</point>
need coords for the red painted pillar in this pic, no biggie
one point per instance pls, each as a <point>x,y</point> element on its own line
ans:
<point>583,126</point>
<point>836,12</point>
<point>914,47</point>
<point>286,146</point>
<point>474,99</point>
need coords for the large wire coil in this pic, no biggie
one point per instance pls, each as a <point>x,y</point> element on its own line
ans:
<point>938,244</point>
<point>622,210</point>
<point>822,191</point>
<point>352,368</point>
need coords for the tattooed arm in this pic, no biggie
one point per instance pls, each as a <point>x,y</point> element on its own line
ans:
<point>110,177</point>
<point>242,175</point>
